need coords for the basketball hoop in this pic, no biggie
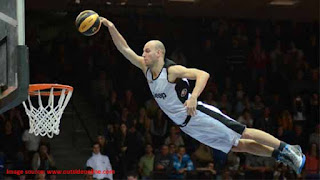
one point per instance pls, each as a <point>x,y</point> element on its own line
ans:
<point>45,120</point>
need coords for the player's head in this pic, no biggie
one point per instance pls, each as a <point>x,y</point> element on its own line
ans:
<point>153,52</point>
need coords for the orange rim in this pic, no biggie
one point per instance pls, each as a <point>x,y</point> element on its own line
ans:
<point>35,88</point>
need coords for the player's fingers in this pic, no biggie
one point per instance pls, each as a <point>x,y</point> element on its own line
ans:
<point>193,111</point>
<point>189,111</point>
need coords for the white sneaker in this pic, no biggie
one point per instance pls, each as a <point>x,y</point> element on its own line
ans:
<point>293,156</point>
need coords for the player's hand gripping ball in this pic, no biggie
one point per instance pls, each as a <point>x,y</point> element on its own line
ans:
<point>88,22</point>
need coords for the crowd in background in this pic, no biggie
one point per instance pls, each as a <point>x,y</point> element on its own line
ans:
<point>264,74</point>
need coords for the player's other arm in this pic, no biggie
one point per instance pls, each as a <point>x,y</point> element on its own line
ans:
<point>122,45</point>
<point>200,76</point>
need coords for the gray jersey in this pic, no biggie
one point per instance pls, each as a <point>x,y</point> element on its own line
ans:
<point>170,96</point>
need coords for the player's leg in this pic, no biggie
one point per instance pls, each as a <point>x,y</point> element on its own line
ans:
<point>263,138</point>
<point>253,147</point>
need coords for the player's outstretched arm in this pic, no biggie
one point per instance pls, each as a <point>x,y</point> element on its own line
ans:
<point>122,45</point>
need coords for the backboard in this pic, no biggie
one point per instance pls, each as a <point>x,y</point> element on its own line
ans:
<point>14,67</point>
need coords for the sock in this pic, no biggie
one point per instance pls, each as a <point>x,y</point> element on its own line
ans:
<point>275,154</point>
<point>282,145</point>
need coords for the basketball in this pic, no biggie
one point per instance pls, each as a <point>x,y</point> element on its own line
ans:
<point>88,22</point>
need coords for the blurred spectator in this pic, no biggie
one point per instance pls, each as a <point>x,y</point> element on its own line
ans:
<point>239,106</point>
<point>285,120</point>
<point>143,121</point>
<point>257,107</point>
<point>211,92</point>
<point>228,88</point>
<point>245,118</point>
<point>293,53</point>
<point>122,146</point>
<point>202,155</point>
<point>284,135</point>
<point>125,116</point>
<point>88,176</point>
<point>312,169</point>
<point>99,162</point>
<point>281,171</point>
<point>114,109</point>
<point>312,50</point>
<point>16,120</point>
<point>262,88</point>
<point>313,117</point>
<point>315,136</point>
<point>32,143</point>
<point>107,148</point>
<point>135,147</point>
<point>236,59</point>
<point>225,104</point>
<point>172,149</point>
<point>52,176</point>
<point>209,99</point>
<point>240,91</point>
<point>174,137</point>
<point>181,163</point>
<point>258,167</point>
<point>276,107</point>
<point>300,137</point>
<point>43,158</point>
<point>10,147</point>
<point>163,163</point>
<point>258,60</point>
<point>132,175</point>
<point>159,126</point>
<point>207,172</point>
<point>129,101</point>
<point>299,111</point>
<point>146,163</point>
<point>276,58</point>
<point>41,176</point>
<point>151,107</point>
<point>233,164</point>
<point>266,123</point>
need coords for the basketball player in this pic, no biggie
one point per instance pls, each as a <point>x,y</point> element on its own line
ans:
<point>169,85</point>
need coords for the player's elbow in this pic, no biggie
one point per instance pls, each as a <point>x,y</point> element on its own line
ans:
<point>205,75</point>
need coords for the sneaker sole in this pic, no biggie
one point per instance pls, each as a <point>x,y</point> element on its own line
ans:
<point>303,162</point>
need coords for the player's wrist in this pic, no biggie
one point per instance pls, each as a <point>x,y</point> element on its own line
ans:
<point>193,97</point>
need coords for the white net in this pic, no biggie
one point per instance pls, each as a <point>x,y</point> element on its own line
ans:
<point>45,120</point>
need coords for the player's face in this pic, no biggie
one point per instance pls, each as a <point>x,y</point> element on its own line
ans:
<point>149,54</point>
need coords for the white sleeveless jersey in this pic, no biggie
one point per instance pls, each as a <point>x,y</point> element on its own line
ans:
<point>169,96</point>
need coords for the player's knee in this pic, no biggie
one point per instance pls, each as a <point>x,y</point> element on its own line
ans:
<point>240,147</point>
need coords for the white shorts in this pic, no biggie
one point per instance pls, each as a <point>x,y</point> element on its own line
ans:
<point>213,128</point>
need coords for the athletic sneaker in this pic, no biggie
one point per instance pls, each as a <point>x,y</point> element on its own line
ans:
<point>293,156</point>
